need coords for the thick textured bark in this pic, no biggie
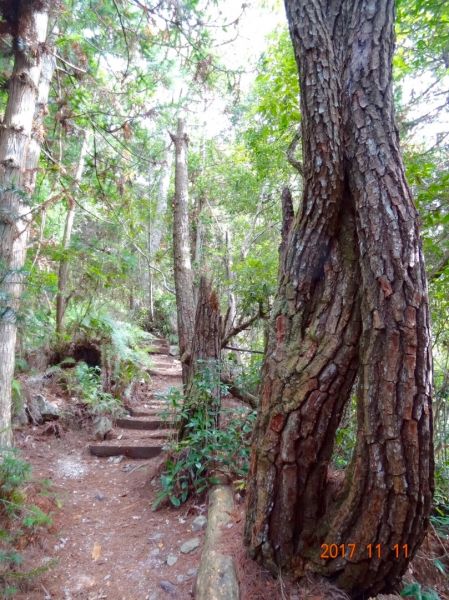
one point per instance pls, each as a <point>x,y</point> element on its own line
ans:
<point>206,350</point>
<point>15,184</point>
<point>288,216</point>
<point>352,300</point>
<point>156,225</point>
<point>181,250</point>
<point>33,154</point>
<point>206,343</point>
<point>63,272</point>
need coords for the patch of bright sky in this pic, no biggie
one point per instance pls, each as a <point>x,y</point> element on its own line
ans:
<point>258,20</point>
<point>429,107</point>
<point>239,49</point>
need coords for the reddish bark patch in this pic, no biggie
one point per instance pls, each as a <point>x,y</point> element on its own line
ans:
<point>281,322</point>
<point>277,422</point>
<point>385,286</point>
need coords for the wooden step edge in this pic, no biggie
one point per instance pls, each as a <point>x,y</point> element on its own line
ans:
<point>143,425</point>
<point>128,451</point>
<point>154,373</point>
<point>144,413</point>
<point>157,409</point>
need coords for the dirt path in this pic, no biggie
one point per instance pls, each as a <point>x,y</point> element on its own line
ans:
<point>107,542</point>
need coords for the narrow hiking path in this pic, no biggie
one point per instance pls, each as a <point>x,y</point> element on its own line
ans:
<point>107,541</point>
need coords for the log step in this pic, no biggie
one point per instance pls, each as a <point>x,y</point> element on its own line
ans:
<point>161,373</point>
<point>159,346</point>
<point>140,437</point>
<point>127,423</point>
<point>144,413</point>
<point>150,413</point>
<point>128,451</point>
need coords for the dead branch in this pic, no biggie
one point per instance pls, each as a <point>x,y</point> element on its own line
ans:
<point>240,394</point>
<point>295,163</point>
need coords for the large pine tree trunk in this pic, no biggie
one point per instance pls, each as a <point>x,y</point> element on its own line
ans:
<point>352,301</point>
<point>15,184</point>
<point>181,250</point>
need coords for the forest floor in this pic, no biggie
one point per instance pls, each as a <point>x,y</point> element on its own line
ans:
<point>105,541</point>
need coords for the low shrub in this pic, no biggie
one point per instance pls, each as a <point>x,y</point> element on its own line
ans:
<point>206,450</point>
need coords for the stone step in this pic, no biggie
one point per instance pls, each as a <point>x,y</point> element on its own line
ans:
<point>130,451</point>
<point>139,423</point>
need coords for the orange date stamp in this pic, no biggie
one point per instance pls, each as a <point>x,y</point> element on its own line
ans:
<point>331,551</point>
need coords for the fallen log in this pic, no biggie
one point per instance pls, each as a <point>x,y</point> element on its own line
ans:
<point>217,579</point>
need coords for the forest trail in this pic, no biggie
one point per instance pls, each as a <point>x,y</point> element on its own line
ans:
<point>106,540</point>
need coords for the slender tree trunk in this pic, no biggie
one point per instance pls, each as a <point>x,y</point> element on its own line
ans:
<point>352,299</point>
<point>231,312</point>
<point>15,216</point>
<point>181,250</point>
<point>156,225</point>
<point>63,272</point>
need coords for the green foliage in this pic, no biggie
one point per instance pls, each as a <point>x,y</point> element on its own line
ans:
<point>273,111</point>
<point>124,353</point>
<point>248,379</point>
<point>86,383</point>
<point>414,590</point>
<point>255,277</point>
<point>423,33</point>
<point>205,450</point>
<point>440,520</point>
<point>165,309</point>
<point>346,436</point>
<point>14,472</point>
<point>17,518</point>
<point>16,396</point>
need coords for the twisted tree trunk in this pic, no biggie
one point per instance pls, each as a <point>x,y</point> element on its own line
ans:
<point>15,186</point>
<point>352,300</point>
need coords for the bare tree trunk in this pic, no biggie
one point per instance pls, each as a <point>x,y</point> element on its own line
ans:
<point>205,353</point>
<point>231,312</point>
<point>63,272</point>
<point>352,299</point>
<point>15,215</point>
<point>48,61</point>
<point>156,224</point>
<point>181,250</point>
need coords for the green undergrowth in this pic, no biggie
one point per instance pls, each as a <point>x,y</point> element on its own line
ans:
<point>207,451</point>
<point>123,349</point>
<point>416,592</point>
<point>85,382</point>
<point>21,520</point>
